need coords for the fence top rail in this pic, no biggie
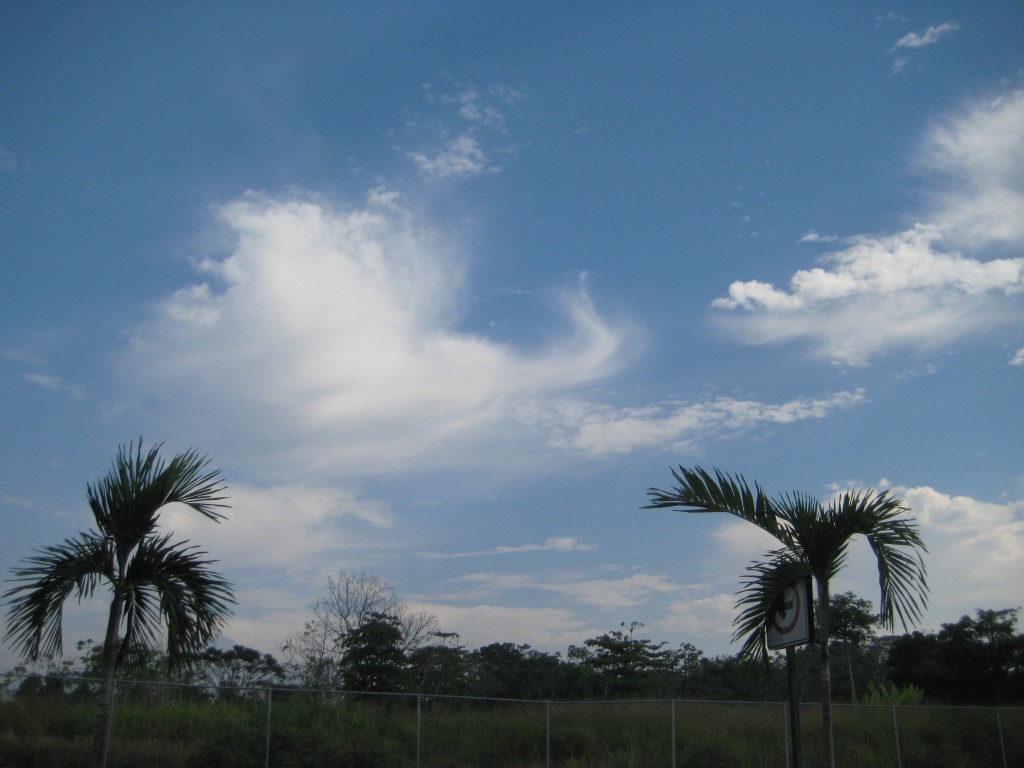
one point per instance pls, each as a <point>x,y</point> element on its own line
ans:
<point>341,692</point>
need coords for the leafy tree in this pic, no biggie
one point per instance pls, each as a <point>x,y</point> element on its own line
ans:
<point>153,581</point>
<point>627,666</point>
<point>815,542</point>
<point>851,622</point>
<point>440,669</point>
<point>374,655</point>
<point>238,672</point>
<point>145,665</point>
<point>739,678</point>
<point>689,662</point>
<point>972,660</point>
<point>51,679</point>
<point>511,671</point>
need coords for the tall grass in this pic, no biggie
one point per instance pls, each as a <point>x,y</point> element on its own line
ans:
<point>306,731</point>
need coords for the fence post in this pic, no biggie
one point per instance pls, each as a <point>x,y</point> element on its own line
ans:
<point>673,733</point>
<point>419,727</point>
<point>266,752</point>
<point>547,737</point>
<point>110,722</point>
<point>896,731</point>
<point>1002,743</point>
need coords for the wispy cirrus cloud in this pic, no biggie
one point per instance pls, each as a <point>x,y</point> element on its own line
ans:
<point>923,287</point>
<point>605,593</point>
<point>914,41</point>
<point>551,544</point>
<point>602,430</point>
<point>8,160</point>
<point>466,134</point>
<point>460,157</point>
<point>930,36</point>
<point>55,384</point>
<point>814,237</point>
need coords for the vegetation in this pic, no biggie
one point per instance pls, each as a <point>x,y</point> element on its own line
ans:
<point>852,623</point>
<point>881,695</point>
<point>183,732</point>
<point>976,661</point>
<point>153,582</point>
<point>815,542</point>
<point>217,713</point>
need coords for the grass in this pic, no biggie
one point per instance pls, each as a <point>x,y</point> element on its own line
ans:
<point>448,733</point>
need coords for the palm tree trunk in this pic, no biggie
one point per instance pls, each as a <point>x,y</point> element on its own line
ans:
<point>826,675</point>
<point>105,702</point>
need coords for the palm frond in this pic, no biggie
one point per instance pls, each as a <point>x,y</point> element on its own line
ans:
<point>763,583</point>
<point>193,601</point>
<point>35,614</point>
<point>897,545</point>
<point>698,491</point>
<point>127,500</point>
<point>189,484</point>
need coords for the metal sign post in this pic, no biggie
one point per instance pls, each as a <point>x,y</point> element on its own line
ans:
<point>789,624</point>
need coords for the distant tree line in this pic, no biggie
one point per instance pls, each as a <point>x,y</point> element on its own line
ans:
<point>363,638</point>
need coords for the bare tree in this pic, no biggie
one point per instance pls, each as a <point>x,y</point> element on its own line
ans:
<point>317,655</point>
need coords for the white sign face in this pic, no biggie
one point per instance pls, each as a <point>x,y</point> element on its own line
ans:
<point>790,622</point>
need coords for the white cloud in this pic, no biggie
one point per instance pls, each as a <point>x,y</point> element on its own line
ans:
<point>604,593</point>
<point>979,157</point>
<point>695,617</point>
<point>930,36</point>
<point>543,609</point>
<point>814,237</point>
<point>1018,357</point>
<point>8,160</point>
<point>960,530</point>
<point>898,65</point>
<point>55,384</point>
<point>485,106</point>
<point>461,157</point>
<point>21,356</point>
<point>326,340</point>
<point>463,143</point>
<point>918,287</point>
<point>283,528</point>
<point>551,544</point>
<point>600,430</point>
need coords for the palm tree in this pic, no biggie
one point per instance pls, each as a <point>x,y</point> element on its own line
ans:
<point>153,582</point>
<point>815,542</point>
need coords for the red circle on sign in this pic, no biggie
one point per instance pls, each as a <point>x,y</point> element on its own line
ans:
<point>796,614</point>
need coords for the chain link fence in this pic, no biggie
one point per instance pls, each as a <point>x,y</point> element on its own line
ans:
<point>176,725</point>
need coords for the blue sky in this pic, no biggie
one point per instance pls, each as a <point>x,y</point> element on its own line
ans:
<point>444,288</point>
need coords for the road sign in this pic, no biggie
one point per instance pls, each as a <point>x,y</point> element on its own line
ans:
<point>790,622</point>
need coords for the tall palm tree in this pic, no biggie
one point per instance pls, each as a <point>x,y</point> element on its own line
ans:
<point>815,542</point>
<point>154,584</point>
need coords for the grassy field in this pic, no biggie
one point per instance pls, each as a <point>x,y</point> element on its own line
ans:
<point>55,732</point>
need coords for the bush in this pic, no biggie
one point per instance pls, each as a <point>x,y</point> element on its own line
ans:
<point>909,696</point>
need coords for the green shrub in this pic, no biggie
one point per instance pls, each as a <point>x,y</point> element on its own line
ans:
<point>910,696</point>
